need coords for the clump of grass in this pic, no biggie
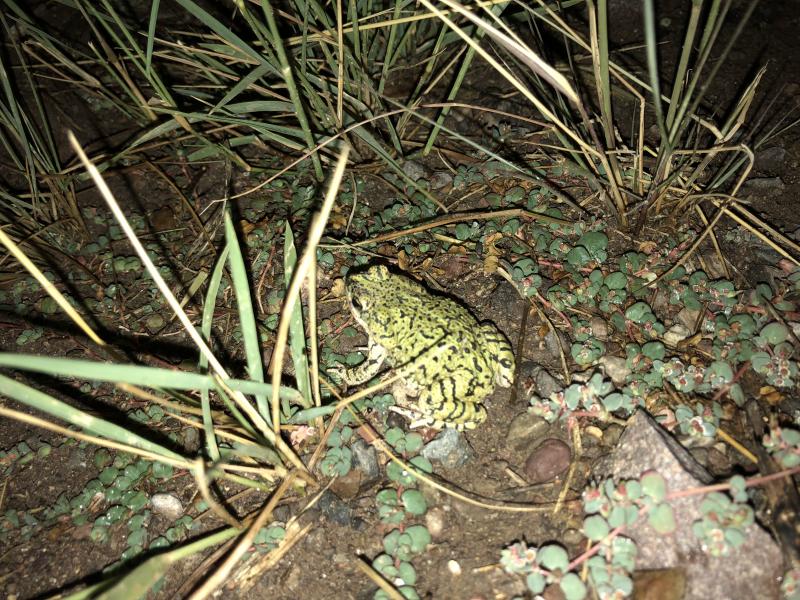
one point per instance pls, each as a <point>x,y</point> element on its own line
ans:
<point>257,427</point>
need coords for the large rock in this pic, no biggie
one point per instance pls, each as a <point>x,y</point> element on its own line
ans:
<point>749,571</point>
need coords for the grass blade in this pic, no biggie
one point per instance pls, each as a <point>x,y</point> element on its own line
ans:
<point>297,334</point>
<point>247,321</point>
<point>83,420</point>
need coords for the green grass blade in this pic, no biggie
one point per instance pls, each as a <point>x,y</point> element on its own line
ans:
<point>86,422</point>
<point>247,320</point>
<point>243,84</point>
<point>297,334</point>
<point>151,377</point>
<point>388,54</point>
<point>205,328</point>
<point>151,34</point>
<point>651,44</point>
<point>237,414</point>
<point>683,63</point>
<point>288,76</point>
<point>309,414</point>
<point>469,56</point>
<point>226,34</point>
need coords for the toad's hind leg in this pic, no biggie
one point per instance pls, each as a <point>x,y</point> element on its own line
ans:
<point>501,355</point>
<point>449,413</point>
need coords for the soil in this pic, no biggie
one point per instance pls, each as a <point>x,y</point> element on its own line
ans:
<point>40,561</point>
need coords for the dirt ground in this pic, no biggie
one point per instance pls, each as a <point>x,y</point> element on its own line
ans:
<point>40,561</point>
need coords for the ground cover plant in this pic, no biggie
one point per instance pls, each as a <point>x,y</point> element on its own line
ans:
<point>176,284</point>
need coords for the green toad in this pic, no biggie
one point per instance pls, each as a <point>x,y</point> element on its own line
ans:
<point>446,358</point>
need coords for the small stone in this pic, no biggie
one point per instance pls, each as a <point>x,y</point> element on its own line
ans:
<point>435,521</point>
<point>548,461</point>
<point>611,434</point>
<point>659,584</point>
<point>349,485</point>
<point>551,342</point>
<point>594,431</point>
<point>191,439</point>
<point>450,448</point>
<point>163,219</point>
<point>646,446</point>
<point>167,506</point>
<point>718,462</point>
<point>616,369</point>
<point>525,430</point>
<point>454,567</point>
<point>441,179</point>
<point>573,537</point>
<point>546,384</point>
<point>553,592</point>
<point>660,303</point>
<point>772,160</point>
<point>676,334</point>
<point>414,170</point>
<point>395,420</point>
<point>365,459</point>
<point>760,186</point>
<point>688,318</point>
<point>154,323</point>
<point>600,328</point>
<point>714,268</point>
<point>292,576</point>
<point>334,509</point>
<point>282,513</point>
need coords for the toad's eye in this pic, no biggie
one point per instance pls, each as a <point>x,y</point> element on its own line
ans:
<point>357,304</point>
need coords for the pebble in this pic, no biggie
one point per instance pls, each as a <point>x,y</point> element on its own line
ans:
<point>348,486</point>
<point>548,461</point>
<point>191,438</point>
<point>600,328</point>
<point>334,509</point>
<point>719,463</point>
<point>441,179</point>
<point>167,506</point>
<point>659,584</point>
<point>616,368</point>
<point>525,430</point>
<point>594,431</point>
<point>761,185</point>
<point>611,434</point>
<point>688,318</point>
<point>573,537</point>
<point>551,343</point>
<point>772,160</point>
<point>365,459</point>
<point>450,448</point>
<point>435,521</point>
<point>714,268</point>
<point>454,567</point>
<point>676,334</point>
<point>660,303</point>
<point>546,384</point>
<point>414,170</point>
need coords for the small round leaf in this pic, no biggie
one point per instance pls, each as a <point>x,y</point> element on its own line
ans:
<point>414,502</point>
<point>595,527</point>
<point>553,558</point>
<point>573,587</point>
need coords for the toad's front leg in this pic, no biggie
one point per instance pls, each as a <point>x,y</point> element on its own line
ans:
<point>376,356</point>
